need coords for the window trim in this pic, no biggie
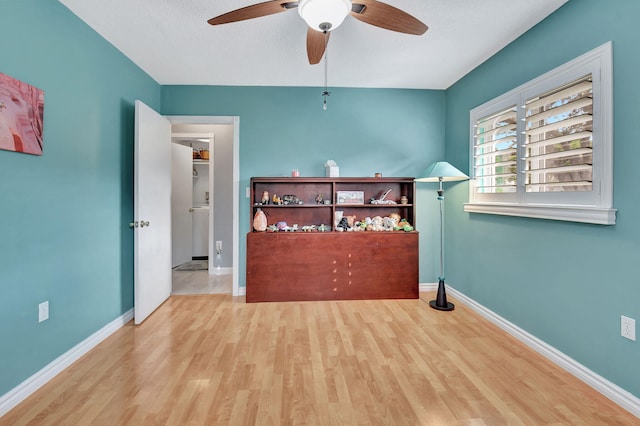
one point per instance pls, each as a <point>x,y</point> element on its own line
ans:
<point>599,209</point>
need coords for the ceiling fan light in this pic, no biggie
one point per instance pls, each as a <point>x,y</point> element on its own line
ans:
<point>324,15</point>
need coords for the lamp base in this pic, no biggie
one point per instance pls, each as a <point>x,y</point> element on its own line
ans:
<point>441,303</point>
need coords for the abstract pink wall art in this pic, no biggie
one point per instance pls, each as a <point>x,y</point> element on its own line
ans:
<point>21,116</point>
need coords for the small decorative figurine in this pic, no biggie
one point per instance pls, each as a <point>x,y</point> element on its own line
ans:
<point>260,221</point>
<point>324,228</point>
<point>319,199</point>
<point>290,199</point>
<point>272,228</point>
<point>403,225</point>
<point>382,199</point>
<point>388,223</point>
<point>376,224</point>
<point>395,217</point>
<point>265,197</point>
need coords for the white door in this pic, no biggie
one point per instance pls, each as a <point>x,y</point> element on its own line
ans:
<point>152,211</point>
<point>181,202</point>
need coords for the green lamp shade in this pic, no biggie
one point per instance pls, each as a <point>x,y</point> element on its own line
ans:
<point>441,171</point>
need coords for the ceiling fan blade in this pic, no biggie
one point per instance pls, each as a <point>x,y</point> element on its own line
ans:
<point>254,11</point>
<point>316,45</point>
<point>388,17</point>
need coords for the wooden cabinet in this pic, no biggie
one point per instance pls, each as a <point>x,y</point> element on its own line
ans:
<point>287,266</point>
<point>331,265</point>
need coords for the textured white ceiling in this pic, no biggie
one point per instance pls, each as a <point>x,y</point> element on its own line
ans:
<point>172,41</point>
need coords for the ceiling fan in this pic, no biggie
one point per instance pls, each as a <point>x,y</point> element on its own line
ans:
<point>324,16</point>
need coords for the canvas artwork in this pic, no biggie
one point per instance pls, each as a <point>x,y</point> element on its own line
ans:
<point>21,116</point>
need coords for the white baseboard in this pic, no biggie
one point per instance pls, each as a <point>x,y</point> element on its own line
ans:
<point>221,271</point>
<point>427,287</point>
<point>615,393</point>
<point>55,367</point>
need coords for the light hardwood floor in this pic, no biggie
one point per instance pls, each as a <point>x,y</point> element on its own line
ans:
<point>215,360</point>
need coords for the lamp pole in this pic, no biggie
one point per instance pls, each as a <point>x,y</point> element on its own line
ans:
<point>441,303</point>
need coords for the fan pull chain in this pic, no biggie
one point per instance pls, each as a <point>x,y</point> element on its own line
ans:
<point>326,92</point>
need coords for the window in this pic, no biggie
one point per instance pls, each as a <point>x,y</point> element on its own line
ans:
<point>545,149</point>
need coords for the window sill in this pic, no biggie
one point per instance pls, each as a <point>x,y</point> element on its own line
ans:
<point>596,215</point>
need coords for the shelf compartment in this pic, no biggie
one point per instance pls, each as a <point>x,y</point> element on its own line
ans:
<point>307,193</point>
<point>300,215</point>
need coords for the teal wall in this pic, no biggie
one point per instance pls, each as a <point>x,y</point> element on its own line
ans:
<point>394,132</point>
<point>64,215</point>
<point>566,283</point>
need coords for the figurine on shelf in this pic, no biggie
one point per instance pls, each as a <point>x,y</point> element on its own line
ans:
<point>260,221</point>
<point>382,199</point>
<point>290,199</point>
<point>319,199</point>
<point>392,222</point>
<point>388,223</point>
<point>404,225</point>
<point>265,198</point>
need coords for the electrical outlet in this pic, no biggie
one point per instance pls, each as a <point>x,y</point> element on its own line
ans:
<point>248,192</point>
<point>628,327</point>
<point>43,311</point>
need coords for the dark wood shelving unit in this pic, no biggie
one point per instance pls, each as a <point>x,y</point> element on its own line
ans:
<point>288,266</point>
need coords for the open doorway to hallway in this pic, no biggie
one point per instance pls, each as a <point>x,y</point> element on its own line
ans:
<point>209,264</point>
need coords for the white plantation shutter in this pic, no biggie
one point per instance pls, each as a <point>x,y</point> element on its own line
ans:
<point>558,148</point>
<point>545,149</point>
<point>496,152</point>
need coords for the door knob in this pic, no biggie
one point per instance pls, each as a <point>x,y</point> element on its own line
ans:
<point>191,210</point>
<point>133,224</point>
<point>143,224</point>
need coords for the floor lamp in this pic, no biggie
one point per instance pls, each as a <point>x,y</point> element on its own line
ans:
<point>441,172</point>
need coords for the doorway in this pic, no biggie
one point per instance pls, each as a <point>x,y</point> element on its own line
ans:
<point>221,212</point>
